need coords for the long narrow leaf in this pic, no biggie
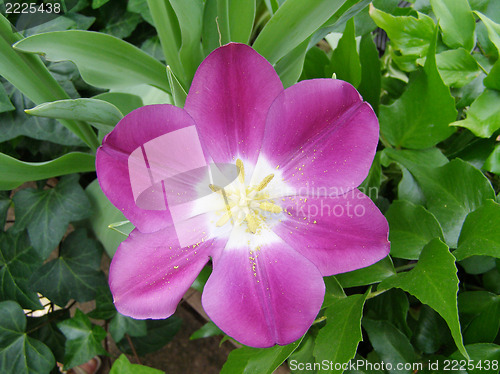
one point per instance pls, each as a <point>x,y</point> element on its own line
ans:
<point>15,172</point>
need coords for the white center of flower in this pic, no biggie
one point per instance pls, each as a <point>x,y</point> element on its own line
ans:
<point>245,204</point>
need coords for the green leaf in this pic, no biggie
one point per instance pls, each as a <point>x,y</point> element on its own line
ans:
<point>236,19</point>
<point>258,360</point>
<point>371,79</point>
<point>483,117</point>
<point>123,366</point>
<point>45,329</point>
<point>368,275</point>
<point>332,292</point>
<point>121,24</point>
<point>98,3</point>
<point>391,345</point>
<point>315,64</point>
<point>30,76</point>
<point>207,330</point>
<point>452,191</point>
<point>123,101</point>
<point>290,66</point>
<point>88,110</point>
<point>189,14</point>
<point>492,163</point>
<point>18,260</point>
<point>479,313</point>
<point>493,78</point>
<point>276,40</point>
<point>5,104</point>
<point>15,172</point>
<point>19,353</point>
<point>75,274</point>
<point>345,59</point>
<point>456,22</point>
<point>121,325</point>
<point>434,282</point>
<point>338,340</point>
<point>303,355</point>
<point>18,123</point>
<point>457,67</point>
<point>140,7</point>
<point>412,36</point>
<point>103,60</point>
<point>431,332</point>
<point>83,340</point>
<point>371,185</point>
<point>480,234</point>
<point>5,203</point>
<point>178,93</point>
<point>105,309</point>
<point>493,29</point>
<point>210,32</point>
<point>480,354</point>
<point>420,117</point>
<point>160,332</point>
<point>103,214</point>
<point>47,213</point>
<point>391,306</point>
<point>411,227</point>
<point>169,32</point>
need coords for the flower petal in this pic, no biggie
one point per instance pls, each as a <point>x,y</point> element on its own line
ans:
<point>265,295</point>
<point>337,234</point>
<point>229,100</point>
<point>320,133</point>
<point>150,273</point>
<point>143,127</point>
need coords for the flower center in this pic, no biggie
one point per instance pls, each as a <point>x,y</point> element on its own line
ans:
<point>246,204</point>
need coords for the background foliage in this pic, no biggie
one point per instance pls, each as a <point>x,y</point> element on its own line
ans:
<point>429,68</point>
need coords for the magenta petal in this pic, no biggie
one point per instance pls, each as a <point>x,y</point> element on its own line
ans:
<point>337,234</point>
<point>229,100</point>
<point>320,133</point>
<point>150,273</point>
<point>133,131</point>
<point>265,297</point>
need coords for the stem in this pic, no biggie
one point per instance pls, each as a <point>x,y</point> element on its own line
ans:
<point>410,266</point>
<point>133,349</point>
<point>375,294</point>
<point>318,320</point>
<point>484,71</point>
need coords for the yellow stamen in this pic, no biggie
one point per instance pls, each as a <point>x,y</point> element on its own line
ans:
<point>241,168</point>
<point>223,220</point>
<point>215,188</point>
<point>252,222</point>
<point>270,207</point>
<point>264,182</point>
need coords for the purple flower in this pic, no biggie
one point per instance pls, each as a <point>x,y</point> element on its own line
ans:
<point>291,215</point>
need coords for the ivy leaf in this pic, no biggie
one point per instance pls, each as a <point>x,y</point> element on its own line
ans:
<point>105,309</point>
<point>83,340</point>
<point>258,360</point>
<point>345,59</point>
<point>391,345</point>
<point>19,353</point>
<point>338,340</point>
<point>368,275</point>
<point>492,163</point>
<point>411,228</point>
<point>456,21</point>
<point>391,306</point>
<point>483,116</point>
<point>451,192</point>
<point>47,213</point>
<point>431,332</point>
<point>4,207</point>
<point>45,329</point>
<point>480,354</point>
<point>159,333</point>
<point>74,274</point>
<point>434,282</point>
<point>5,104</point>
<point>123,366</point>
<point>457,67</point>
<point>121,325</point>
<point>420,117</point>
<point>412,36</point>
<point>207,330</point>
<point>18,260</point>
<point>480,235</point>
<point>479,311</point>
